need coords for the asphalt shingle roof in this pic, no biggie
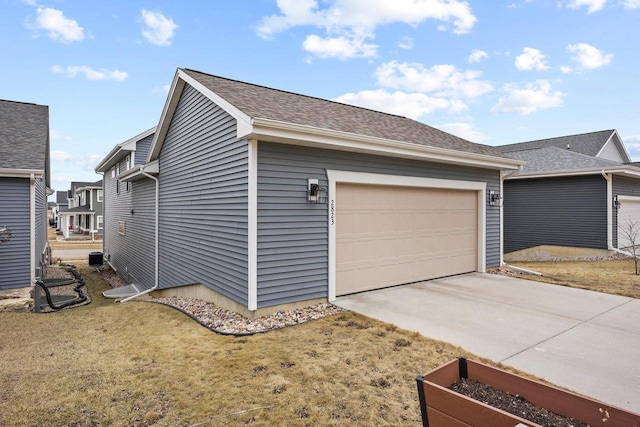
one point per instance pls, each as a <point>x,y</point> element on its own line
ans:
<point>586,143</point>
<point>550,159</point>
<point>266,103</point>
<point>24,135</point>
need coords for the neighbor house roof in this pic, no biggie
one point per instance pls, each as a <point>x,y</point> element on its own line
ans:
<point>61,198</point>
<point>590,144</point>
<point>24,137</point>
<point>275,115</point>
<point>556,159</point>
<point>121,150</point>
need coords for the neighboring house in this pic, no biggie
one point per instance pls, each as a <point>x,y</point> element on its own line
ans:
<point>260,199</point>
<point>84,214</point>
<point>62,204</point>
<point>576,191</point>
<point>24,181</point>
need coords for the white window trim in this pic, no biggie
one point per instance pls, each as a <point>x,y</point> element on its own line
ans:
<point>99,196</point>
<point>336,177</point>
<point>99,222</point>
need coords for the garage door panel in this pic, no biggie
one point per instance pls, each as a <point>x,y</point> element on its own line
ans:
<point>628,213</point>
<point>397,235</point>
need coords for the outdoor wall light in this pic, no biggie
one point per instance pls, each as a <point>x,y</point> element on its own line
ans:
<point>616,202</point>
<point>495,199</point>
<point>132,212</point>
<point>315,193</point>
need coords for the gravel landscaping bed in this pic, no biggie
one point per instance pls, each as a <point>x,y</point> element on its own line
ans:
<point>515,405</point>
<point>229,322</point>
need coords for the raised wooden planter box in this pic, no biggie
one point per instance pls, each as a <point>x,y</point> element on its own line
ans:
<point>443,407</point>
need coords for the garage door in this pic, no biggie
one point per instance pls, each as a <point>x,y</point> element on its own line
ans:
<point>388,236</point>
<point>628,213</point>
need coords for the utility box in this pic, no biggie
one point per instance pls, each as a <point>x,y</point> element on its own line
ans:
<point>95,258</point>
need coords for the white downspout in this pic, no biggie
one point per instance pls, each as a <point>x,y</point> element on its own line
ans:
<point>157,281</point>
<point>607,178</point>
<point>32,225</point>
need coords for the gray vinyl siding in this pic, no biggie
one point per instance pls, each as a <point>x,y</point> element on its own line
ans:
<point>132,254</point>
<point>142,150</point>
<point>15,214</point>
<point>293,234</point>
<point>622,186</point>
<point>204,200</point>
<point>41,257</point>
<point>566,211</point>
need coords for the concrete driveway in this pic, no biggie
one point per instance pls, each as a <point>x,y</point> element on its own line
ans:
<point>586,341</point>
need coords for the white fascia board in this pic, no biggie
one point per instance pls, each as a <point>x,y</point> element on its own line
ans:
<point>20,173</point>
<point>244,124</point>
<point>336,176</point>
<point>290,133</point>
<point>618,170</point>
<point>181,78</point>
<point>628,198</point>
<point>165,118</point>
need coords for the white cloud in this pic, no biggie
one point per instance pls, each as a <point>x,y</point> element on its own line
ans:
<point>339,47</point>
<point>531,59</point>
<point>442,80</point>
<point>591,5</point>
<point>86,162</point>
<point>412,105</point>
<point>357,20</point>
<point>633,146</point>
<point>464,130</point>
<point>57,136</point>
<point>406,43</point>
<point>531,97</point>
<point>60,156</point>
<point>631,4</point>
<point>162,90</point>
<point>91,74</point>
<point>477,56</point>
<point>589,57</point>
<point>566,69</point>
<point>158,29</point>
<point>57,26</point>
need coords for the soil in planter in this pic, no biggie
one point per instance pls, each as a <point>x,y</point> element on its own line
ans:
<point>515,405</point>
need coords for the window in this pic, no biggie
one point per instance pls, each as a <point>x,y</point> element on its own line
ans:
<point>117,169</point>
<point>113,172</point>
<point>128,162</point>
<point>121,228</point>
<point>129,186</point>
<point>99,222</point>
<point>117,186</point>
<point>99,196</point>
<point>84,198</point>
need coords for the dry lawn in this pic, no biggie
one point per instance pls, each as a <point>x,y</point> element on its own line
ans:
<point>140,363</point>
<point>613,277</point>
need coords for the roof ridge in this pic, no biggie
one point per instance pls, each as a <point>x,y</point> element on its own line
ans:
<point>575,153</point>
<point>561,137</point>
<point>298,94</point>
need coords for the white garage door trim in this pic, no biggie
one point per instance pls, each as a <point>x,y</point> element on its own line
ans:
<point>335,177</point>
<point>624,201</point>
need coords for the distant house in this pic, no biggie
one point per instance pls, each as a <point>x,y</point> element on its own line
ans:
<point>261,199</point>
<point>577,191</point>
<point>61,204</point>
<point>84,213</point>
<point>24,181</point>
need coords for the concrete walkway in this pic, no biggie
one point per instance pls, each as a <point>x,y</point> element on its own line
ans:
<point>585,341</point>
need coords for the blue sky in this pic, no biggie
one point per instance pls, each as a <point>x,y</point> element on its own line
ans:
<point>493,72</point>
